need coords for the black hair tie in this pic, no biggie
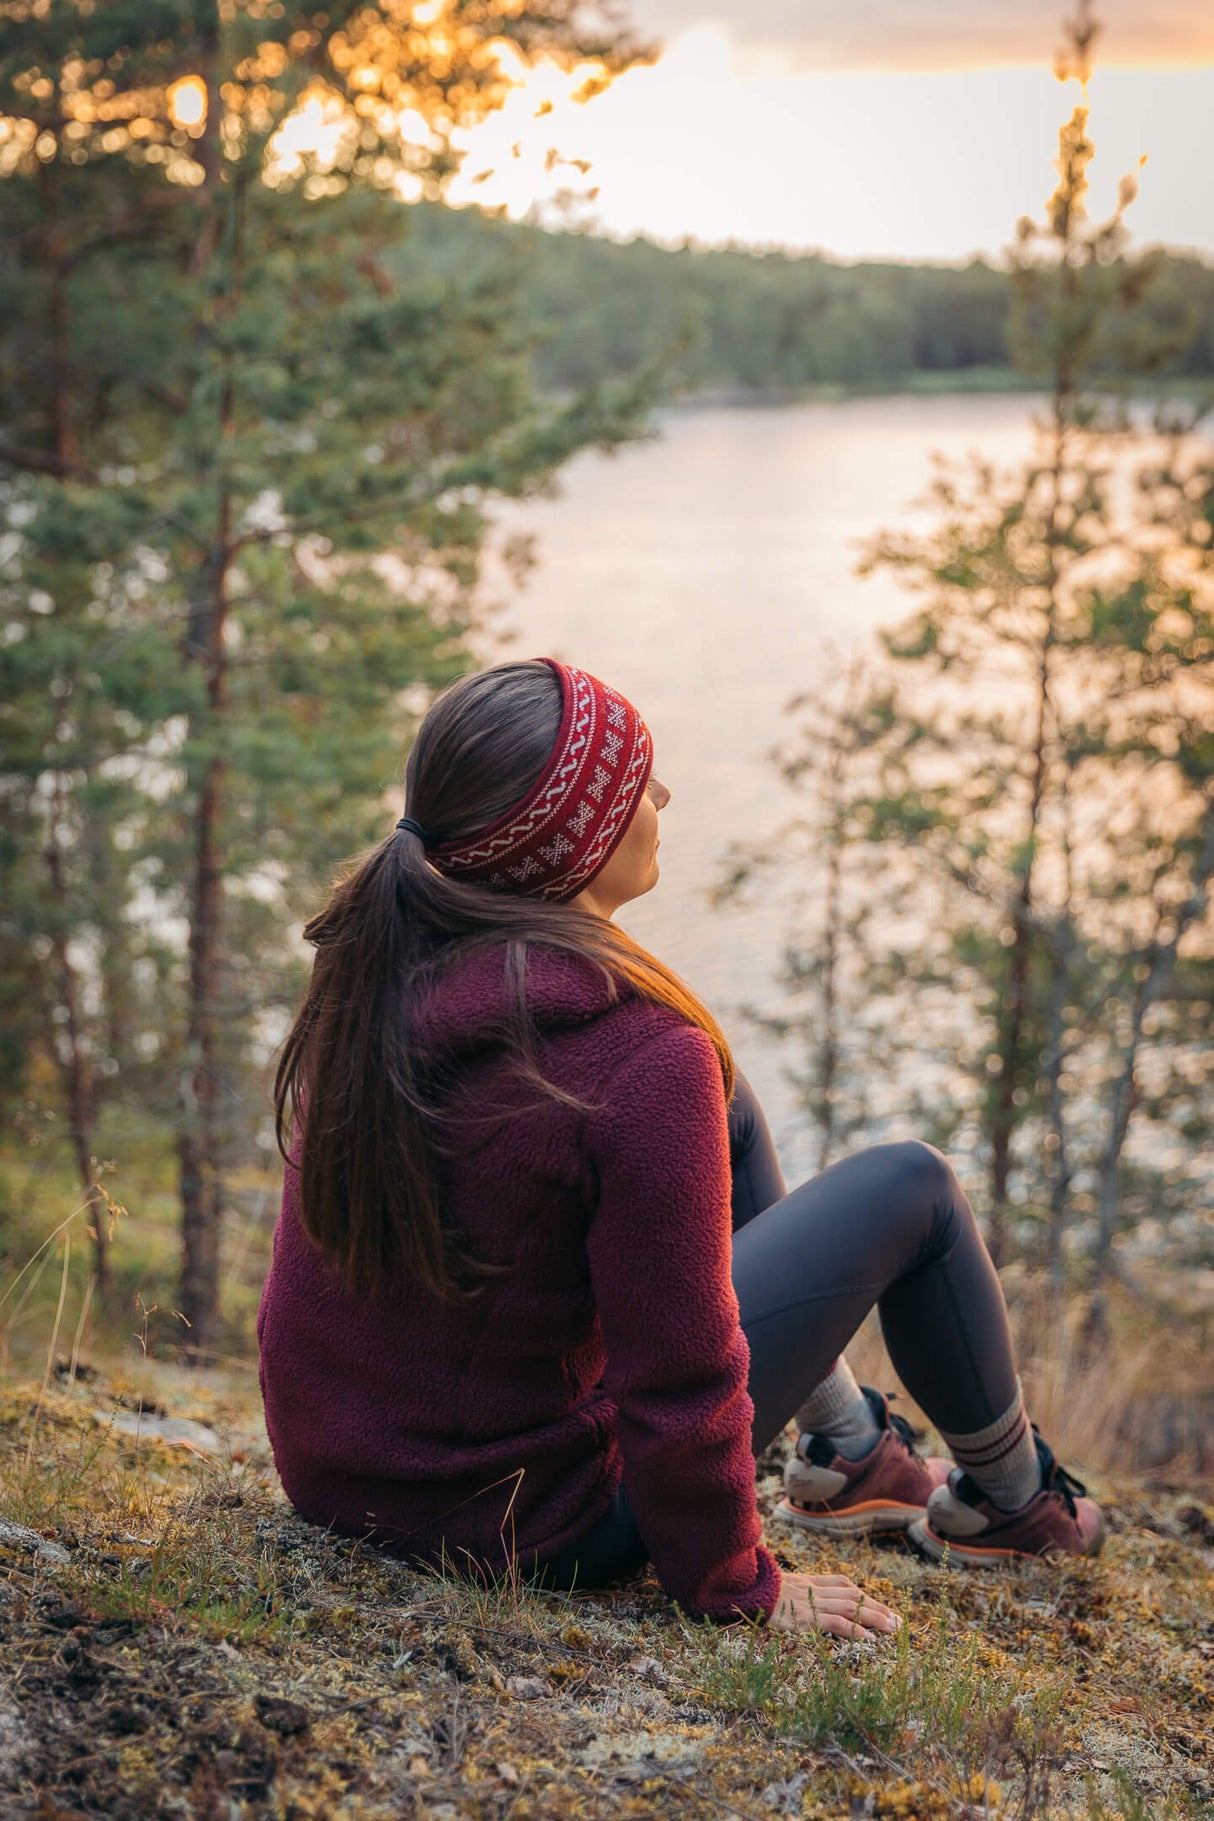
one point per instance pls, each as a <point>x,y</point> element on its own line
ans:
<point>415,828</point>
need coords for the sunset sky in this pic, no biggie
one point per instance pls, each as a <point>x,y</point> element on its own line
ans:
<point>868,128</point>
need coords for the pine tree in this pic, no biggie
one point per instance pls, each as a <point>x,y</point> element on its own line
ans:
<point>272,460</point>
<point>1042,786</point>
<point>837,989</point>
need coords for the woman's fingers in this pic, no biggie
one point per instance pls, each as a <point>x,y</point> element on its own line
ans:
<point>874,1613</point>
<point>853,1601</point>
<point>849,1624</point>
<point>828,1586</point>
<point>836,1626</point>
<point>835,1604</point>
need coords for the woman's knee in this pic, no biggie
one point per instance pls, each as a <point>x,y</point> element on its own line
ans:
<point>922,1164</point>
<point>938,1197</point>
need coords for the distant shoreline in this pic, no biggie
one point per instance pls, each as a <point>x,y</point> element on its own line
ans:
<point>972,382</point>
<point>753,329</point>
<point>920,384</point>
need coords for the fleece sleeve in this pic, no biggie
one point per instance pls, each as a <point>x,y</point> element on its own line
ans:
<point>677,1360</point>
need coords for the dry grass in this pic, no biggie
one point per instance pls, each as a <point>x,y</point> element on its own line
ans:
<point>196,1650</point>
<point>203,1652</point>
<point>1138,1403</point>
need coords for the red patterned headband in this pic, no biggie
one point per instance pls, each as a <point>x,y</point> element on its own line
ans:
<point>564,831</point>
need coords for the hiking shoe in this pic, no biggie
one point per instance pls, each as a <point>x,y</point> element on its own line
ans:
<point>961,1521</point>
<point>885,1490</point>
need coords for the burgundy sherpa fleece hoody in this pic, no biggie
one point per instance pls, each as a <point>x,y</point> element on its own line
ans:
<point>610,1346</point>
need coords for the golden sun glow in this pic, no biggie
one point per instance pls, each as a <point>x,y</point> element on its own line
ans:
<point>187,103</point>
<point>861,163</point>
<point>901,164</point>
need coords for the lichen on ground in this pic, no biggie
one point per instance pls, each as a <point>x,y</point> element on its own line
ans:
<point>191,1648</point>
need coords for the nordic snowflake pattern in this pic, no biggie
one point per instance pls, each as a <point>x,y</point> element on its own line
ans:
<point>553,843</point>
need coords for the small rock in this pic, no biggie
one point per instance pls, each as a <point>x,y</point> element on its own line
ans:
<point>148,1405</point>
<point>19,1536</point>
<point>173,1431</point>
<point>527,1688</point>
<point>508,1774</point>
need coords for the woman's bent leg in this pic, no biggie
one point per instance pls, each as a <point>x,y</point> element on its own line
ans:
<point>889,1226</point>
<point>837,1401</point>
<point>756,1181</point>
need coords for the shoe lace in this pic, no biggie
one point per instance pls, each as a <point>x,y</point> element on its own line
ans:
<point>904,1432</point>
<point>1057,1479</point>
<point>1066,1483</point>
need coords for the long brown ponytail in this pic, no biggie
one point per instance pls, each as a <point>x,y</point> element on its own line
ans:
<point>352,1082</point>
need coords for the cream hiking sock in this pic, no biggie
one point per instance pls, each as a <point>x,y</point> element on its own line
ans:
<point>1002,1458</point>
<point>839,1409</point>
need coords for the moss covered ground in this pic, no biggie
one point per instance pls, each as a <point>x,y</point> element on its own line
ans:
<point>176,1642</point>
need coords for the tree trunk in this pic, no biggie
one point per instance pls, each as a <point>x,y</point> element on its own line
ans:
<point>199,1141</point>
<point>71,1052</point>
<point>1059,1159</point>
<point>64,459</point>
<point>199,1138</point>
<point>830,956</point>
<point>1123,1095</point>
<point>1062,955</point>
<point>55,254</point>
<point>1008,1051</point>
<point>1014,1007</point>
<point>1014,1010</point>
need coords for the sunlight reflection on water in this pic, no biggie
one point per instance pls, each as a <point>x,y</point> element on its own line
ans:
<point>708,575</point>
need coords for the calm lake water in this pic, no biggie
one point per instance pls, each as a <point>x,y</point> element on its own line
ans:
<point>710,575</point>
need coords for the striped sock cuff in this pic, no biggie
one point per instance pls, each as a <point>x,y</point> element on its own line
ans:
<point>838,1408</point>
<point>1002,1458</point>
<point>969,1453</point>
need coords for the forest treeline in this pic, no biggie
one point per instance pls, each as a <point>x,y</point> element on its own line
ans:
<point>256,418</point>
<point>723,320</point>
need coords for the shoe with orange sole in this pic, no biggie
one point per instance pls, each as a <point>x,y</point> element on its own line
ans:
<point>961,1523</point>
<point>886,1490</point>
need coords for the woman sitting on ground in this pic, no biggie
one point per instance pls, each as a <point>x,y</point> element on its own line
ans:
<point>538,1294</point>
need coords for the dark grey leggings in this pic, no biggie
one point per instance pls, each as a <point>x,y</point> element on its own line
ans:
<point>889,1226</point>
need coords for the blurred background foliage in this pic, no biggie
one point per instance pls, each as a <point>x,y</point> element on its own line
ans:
<point>1014,793</point>
<point>254,412</point>
<point>739,322</point>
<point>243,478</point>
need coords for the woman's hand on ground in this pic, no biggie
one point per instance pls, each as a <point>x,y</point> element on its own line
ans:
<point>831,1603</point>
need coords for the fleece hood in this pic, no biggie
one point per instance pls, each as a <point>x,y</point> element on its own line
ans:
<point>469,1008</point>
